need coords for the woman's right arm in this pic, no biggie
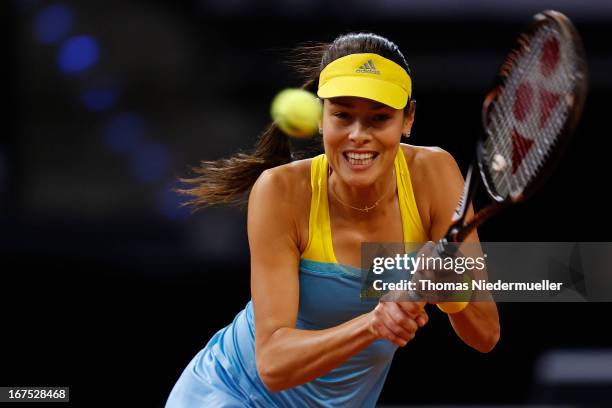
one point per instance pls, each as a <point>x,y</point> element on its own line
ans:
<point>287,356</point>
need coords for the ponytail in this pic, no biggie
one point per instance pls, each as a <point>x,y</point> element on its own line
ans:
<point>228,181</point>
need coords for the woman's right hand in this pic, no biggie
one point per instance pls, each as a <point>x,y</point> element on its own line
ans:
<point>397,322</point>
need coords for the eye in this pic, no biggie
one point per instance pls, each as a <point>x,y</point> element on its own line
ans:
<point>382,117</point>
<point>342,115</point>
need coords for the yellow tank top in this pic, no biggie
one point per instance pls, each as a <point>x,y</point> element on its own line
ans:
<point>320,247</point>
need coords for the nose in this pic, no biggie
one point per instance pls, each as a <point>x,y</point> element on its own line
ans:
<point>360,133</point>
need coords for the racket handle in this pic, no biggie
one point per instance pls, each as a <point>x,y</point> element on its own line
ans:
<point>446,248</point>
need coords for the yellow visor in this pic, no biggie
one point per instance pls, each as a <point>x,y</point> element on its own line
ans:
<point>366,76</point>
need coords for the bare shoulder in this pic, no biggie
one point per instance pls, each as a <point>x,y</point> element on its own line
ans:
<point>436,181</point>
<point>428,160</point>
<point>288,182</point>
<point>280,201</point>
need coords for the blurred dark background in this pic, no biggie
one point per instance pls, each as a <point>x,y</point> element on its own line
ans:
<point>109,287</point>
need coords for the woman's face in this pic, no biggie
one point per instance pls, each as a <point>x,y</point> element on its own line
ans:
<point>361,138</point>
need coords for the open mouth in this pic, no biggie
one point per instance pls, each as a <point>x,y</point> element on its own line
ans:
<point>360,158</point>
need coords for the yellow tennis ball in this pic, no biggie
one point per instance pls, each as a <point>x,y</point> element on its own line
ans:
<point>296,112</point>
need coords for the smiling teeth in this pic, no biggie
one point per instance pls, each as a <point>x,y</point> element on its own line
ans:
<point>360,158</point>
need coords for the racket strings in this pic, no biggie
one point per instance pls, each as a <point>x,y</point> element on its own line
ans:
<point>512,147</point>
<point>530,110</point>
<point>525,166</point>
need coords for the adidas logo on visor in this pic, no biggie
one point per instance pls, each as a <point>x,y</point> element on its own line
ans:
<point>368,68</point>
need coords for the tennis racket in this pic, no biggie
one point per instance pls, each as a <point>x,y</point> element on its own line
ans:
<point>528,118</point>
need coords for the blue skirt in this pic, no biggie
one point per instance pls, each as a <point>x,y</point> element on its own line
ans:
<point>206,383</point>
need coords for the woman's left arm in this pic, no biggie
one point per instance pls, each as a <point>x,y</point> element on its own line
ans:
<point>477,324</point>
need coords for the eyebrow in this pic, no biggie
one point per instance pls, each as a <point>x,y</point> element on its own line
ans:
<point>375,106</point>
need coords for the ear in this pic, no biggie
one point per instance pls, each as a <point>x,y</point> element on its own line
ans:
<point>409,117</point>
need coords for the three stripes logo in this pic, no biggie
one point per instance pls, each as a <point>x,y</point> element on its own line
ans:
<point>368,68</point>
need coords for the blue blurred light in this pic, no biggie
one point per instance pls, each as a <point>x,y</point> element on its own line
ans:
<point>150,163</point>
<point>78,54</point>
<point>125,132</point>
<point>53,24</point>
<point>96,100</point>
<point>169,204</point>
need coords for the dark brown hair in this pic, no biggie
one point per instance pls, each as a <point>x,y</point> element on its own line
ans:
<point>228,181</point>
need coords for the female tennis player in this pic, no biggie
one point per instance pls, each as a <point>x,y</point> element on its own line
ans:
<point>306,338</point>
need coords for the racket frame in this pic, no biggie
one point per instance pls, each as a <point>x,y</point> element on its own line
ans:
<point>459,229</point>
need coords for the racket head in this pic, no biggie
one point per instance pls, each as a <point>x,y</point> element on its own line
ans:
<point>533,108</point>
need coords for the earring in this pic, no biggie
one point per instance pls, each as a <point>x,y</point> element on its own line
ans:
<point>320,131</point>
<point>407,134</point>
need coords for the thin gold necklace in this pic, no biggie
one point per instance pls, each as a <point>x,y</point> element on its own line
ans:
<point>367,207</point>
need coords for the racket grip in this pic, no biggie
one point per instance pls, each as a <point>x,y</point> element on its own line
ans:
<point>446,248</point>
